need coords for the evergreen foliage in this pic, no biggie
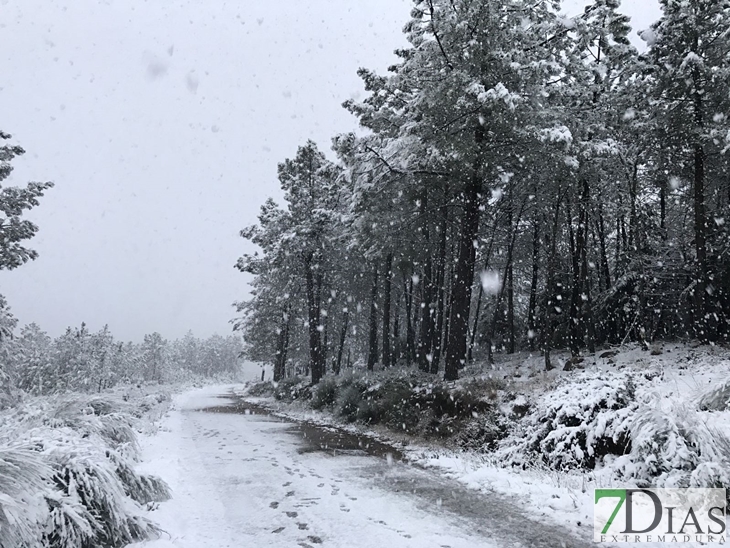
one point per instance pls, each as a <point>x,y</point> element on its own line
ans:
<point>525,180</point>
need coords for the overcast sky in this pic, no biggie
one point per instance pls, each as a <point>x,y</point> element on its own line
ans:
<point>161,123</point>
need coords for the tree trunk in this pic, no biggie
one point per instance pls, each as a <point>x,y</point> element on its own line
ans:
<point>373,338</point>
<point>450,297</point>
<point>325,338</point>
<point>397,347</point>
<point>602,242</point>
<point>464,274</point>
<point>343,336</point>
<point>532,307</point>
<point>423,349</point>
<point>410,332</point>
<point>505,280</point>
<point>585,275</point>
<point>617,258</point>
<point>387,289</point>
<point>427,316</point>
<point>286,344</point>
<point>510,278</point>
<point>315,343</point>
<point>575,321</point>
<point>487,259</point>
<point>473,336</point>
<point>703,328</point>
<point>497,306</point>
<point>281,347</point>
<point>547,326</point>
<point>278,373</point>
<point>440,289</point>
<point>663,207</point>
<point>633,218</point>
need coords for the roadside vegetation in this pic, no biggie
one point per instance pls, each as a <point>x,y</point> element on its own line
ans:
<point>630,417</point>
<point>68,473</point>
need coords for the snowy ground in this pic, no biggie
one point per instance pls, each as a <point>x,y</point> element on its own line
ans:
<point>251,480</point>
<point>680,375</point>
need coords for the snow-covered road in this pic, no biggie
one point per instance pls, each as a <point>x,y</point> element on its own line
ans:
<point>247,480</point>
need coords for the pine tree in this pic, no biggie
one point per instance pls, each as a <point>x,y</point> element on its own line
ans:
<point>298,256</point>
<point>14,201</point>
<point>689,51</point>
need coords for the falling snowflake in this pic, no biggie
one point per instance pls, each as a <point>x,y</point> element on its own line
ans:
<point>491,282</point>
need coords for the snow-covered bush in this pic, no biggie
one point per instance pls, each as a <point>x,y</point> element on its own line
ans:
<point>23,510</point>
<point>577,423</point>
<point>595,418</point>
<point>483,433</point>
<point>261,390</point>
<point>675,447</point>
<point>350,395</point>
<point>717,399</point>
<point>90,489</point>
<point>324,394</point>
<point>150,401</point>
<point>141,488</point>
<point>293,388</point>
<point>408,401</point>
<point>111,422</point>
<point>72,483</point>
<point>395,399</point>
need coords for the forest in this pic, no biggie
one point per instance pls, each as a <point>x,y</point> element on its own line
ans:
<point>520,180</point>
<point>506,291</point>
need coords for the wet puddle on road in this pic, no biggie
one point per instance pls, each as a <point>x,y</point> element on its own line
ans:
<point>315,438</point>
<point>488,516</point>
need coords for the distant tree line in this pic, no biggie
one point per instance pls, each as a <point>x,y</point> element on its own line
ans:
<point>525,180</point>
<point>82,361</point>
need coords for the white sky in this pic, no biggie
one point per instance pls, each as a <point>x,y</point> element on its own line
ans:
<point>161,123</point>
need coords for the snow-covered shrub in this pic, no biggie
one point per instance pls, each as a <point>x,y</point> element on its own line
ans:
<point>483,433</point>
<point>141,488</point>
<point>23,510</point>
<point>369,411</point>
<point>577,423</point>
<point>324,393</point>
<point>675,448</point>
<point>717,399</point>
<point>460,402</point>
<point>73,483</point>
<point>348,402</point>
<point>349,399</point>
<point>94,418</point>
<point>150,402</point>
<point>390,402</point>
<point>410,401</point>
<point>88,481</point>
<point>293,388</point>
<point>260,389</point>
<point>486,388</point>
